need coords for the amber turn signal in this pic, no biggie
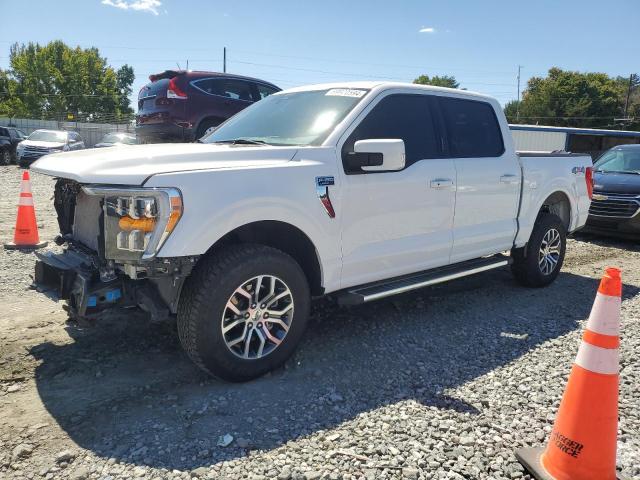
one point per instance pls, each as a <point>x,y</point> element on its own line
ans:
<point>128,224</point>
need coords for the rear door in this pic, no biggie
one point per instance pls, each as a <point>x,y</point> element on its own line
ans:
<point>397,222</point>
<point>488,179</point>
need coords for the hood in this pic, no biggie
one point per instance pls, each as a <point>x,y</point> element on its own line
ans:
<point>616,183</point>
<point>40,143</point>
<point>133,164</point>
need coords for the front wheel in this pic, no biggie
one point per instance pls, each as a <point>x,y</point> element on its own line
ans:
<point>243,311</point>
<point>538,263</point>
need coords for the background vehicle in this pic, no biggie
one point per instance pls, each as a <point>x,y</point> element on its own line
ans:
<point>346,189</point>
<point>616,193</point>
<point>593,141</point>
<point>115,139</point>
<point>44,142</point>
<point>181,106</point>
<point>10,137</point>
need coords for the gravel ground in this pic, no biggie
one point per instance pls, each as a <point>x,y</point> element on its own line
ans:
<point>444,383</point>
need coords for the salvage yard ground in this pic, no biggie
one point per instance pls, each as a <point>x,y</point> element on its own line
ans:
<point>444,383</point>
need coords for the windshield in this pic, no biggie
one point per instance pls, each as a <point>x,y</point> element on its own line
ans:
<point>119,138</point>
<point>620,161</point>
<point>47,136</point>
<point>297,118</point>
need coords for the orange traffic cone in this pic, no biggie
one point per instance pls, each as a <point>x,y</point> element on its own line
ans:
<point>583,440</point>
<point>26,233</point>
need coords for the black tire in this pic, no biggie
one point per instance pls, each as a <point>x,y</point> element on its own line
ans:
<point>205,297</point>
<point>526,260</point>
<point>205,125</point>
<point>5,157</point>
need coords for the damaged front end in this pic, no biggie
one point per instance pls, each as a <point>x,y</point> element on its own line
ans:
<point>111,236</point>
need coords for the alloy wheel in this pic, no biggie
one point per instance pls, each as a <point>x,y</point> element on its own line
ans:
<point>549,253</point>
<point>257,317</point>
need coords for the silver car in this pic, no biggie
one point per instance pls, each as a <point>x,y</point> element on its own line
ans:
<point>44,142</point>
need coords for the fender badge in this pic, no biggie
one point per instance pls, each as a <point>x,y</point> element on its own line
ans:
<point>322,189</point>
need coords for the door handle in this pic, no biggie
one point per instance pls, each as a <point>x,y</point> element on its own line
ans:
<point>510,178</point>
<point>441,183</point>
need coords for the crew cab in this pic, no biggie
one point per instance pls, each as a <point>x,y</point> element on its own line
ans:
<point>359,190</point>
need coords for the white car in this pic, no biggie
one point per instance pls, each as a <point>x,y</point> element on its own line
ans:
<point>360,190</point>
<point>44,142</point>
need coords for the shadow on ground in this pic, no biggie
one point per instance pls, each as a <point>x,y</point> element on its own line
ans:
<point>124,389</point>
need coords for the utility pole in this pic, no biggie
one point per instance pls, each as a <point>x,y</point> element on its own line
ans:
<point>518,104</point>
<point>224,59</point>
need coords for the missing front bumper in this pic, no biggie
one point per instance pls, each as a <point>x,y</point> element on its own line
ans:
<point>72,276</point>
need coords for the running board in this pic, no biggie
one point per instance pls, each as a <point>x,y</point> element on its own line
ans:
<point>394,286</point>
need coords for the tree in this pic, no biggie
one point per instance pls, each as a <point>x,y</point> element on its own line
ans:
<point>52,80</point>
<point>566,98</point>
<point>444,81</point>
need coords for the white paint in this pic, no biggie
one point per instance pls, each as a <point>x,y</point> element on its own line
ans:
<point>598,359</point>
<point>605,315</point>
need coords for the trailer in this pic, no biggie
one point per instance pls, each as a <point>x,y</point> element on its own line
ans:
<point>576,140</point>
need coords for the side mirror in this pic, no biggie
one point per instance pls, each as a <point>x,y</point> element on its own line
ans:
<point>379,155</point>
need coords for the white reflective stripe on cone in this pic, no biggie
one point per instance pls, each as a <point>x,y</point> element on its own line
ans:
<point>598,359</point>
<point>25,186</point>
<point>25,202</point>
<point>605,315</point>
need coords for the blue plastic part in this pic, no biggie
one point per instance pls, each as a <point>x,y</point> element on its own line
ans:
<point>92,301</point>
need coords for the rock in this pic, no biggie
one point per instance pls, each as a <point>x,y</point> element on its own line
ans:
<point>313,475</point>
<point>13,388</point>
<point>467,441</point>
<point>65,456</point>
<point>23,450</point>
<point>225,440</point>
<point>333,437</point>
<point>199,472</point>
<point>243,443</point>
<point>411,473</point>
<point>80,474</point>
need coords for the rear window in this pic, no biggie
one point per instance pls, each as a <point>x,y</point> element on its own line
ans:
<point>226,87</point>
<point>472,128</point>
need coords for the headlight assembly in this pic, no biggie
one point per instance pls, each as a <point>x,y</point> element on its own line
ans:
<point>137,221</point>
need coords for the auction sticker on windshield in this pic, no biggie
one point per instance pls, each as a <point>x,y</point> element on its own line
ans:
<point>345,92</point>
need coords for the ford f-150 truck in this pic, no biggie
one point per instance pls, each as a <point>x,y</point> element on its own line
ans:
<point>359,190</point>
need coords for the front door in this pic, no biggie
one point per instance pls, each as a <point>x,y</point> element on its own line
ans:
<point>397,222</point>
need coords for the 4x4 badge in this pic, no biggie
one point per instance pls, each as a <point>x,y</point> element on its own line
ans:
<point>322,189</point>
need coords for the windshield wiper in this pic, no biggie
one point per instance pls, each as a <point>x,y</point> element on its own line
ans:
<point>243,141</point>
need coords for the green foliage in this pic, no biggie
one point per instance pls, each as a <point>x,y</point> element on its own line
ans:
<point>566,98</point>
<point>444,81</point>
<point>53,80</point>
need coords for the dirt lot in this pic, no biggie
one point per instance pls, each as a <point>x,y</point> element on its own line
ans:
<point>444,383</point>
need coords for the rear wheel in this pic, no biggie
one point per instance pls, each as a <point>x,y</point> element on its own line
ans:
<point>5,157</point>
<point>243,311</point>
<point>206,127</point>
<point>539,262</point>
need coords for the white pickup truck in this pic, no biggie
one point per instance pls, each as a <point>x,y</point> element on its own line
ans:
<point>360,190</point>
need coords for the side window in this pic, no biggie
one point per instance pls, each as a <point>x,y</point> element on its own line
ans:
<point>403,116</point>
<point>472,128</point>
<point>4,132</point>
<point>264,91</point>
<point>229,88</point>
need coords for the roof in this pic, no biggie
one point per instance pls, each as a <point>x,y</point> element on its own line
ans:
<point>579,131</point>
<point>385,85</point>
<point>172,73</point>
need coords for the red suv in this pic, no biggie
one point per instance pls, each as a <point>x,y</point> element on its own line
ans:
<point>182,106</point>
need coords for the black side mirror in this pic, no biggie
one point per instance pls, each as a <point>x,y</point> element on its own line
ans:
<point>354,161</point>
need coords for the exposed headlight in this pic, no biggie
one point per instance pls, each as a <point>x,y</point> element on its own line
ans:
<point>137,221</point>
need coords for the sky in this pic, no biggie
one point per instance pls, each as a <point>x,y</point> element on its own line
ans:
<point>293,43</point>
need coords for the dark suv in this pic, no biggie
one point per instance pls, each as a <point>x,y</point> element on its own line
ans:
<point>10,137</point>
<point>182,106</point>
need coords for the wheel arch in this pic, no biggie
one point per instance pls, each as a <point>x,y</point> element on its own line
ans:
<point>558,203</point>
<point>209,118</point>
<point>284,237</point>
